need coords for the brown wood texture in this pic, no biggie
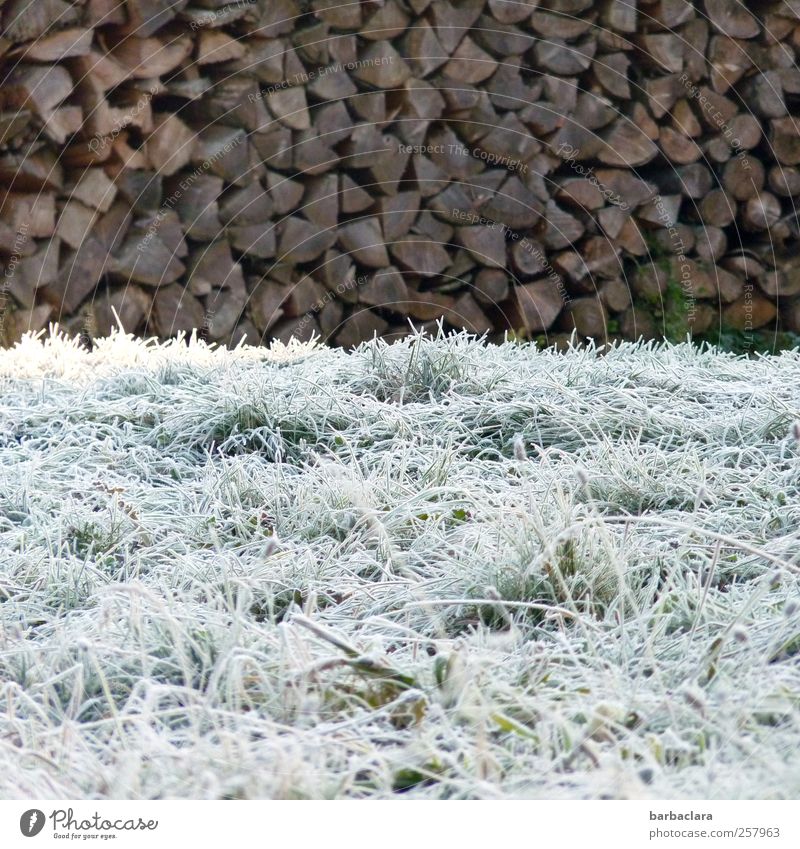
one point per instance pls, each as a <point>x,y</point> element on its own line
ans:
<point>310,167</point>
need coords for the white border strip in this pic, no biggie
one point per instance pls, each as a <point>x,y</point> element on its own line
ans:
<point>408,825</point>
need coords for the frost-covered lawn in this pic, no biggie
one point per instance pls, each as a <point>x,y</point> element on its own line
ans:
<point>437,567</point>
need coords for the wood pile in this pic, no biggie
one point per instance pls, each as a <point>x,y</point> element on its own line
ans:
<point>299,167</point>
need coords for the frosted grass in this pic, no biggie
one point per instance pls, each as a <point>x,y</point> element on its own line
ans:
<point>436,568</point>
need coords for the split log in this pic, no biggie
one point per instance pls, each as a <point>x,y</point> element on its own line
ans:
<point>38,88</point>
<point>131,305</point>
<point>385,288</point>
<point>761,212</point>
<point>717,208</point>
<point>301,241</point>
<point>175,310</point>
<point>363,240</point>
<point>743,178</point>
<point>419,255</point>
<point>731,19</point>
<point>586,316</point>
<point>750,313</point>
<point>486,244</point>
<point>75,41</point>
<point>360,325</point>
<point>536,306</point>
<point>23,20</point>
<point>490,287</point>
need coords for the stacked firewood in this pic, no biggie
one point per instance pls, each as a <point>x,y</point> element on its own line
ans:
<point>278,168</point>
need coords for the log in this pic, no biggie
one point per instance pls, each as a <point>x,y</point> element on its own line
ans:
<point>452,20</point>
<point>301,241</point>
<point>535,306</point>
<point>625,145</point>
<point>711,243</point>
<point>703,281</point>
<point>560,228</point>
<point>304,296</point>
<point>145,58</point>
<point>611,72</point>
<point>743,178</point>
<point>419,255</point>
<point>490,287</point>
<point>131,304</point>
<point>38,88</point>
<point>729,62</point>
<point>615,295</point>
<point>75,223</point>
<point>423,50</point>
<point>381,66</point>
<point>678,147</point>
<point>618,16</point>
<point>170,145</point>
<point>24,21</point>
<point>264,304</point>
<point>693,181</point>
<point>385,288</point>
<point>387,22</point>
<point>785,140</point>
<point>212,266</point>
<point>761,212</point>
<point>362,324</point>
<point>784,181</point>
<point>469,63</point>
<point>717,208</point>
<point>75,41</point>
<point>663,50</point>
<point>397,213</point>
<point>33,215</point>
<point>731,19</point>
<point>215,46</point>
<point>486,244</point>
<point>175,310</point>
<point>146,17</point>
<point>764,94</point>
<point>144,258</point>
<point>586,316</point>
<point>747,129</point>
<point>557,57</point>
<point>363,241</point>
<point>79,272</point>
<point>749,313</point>
<point>509,11</point>
<point>222,151</point>
<point>33,272</point>
<point>466,314</point>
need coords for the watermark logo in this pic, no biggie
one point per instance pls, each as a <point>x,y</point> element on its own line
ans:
<point>65,825</point>
<point>32,822</point>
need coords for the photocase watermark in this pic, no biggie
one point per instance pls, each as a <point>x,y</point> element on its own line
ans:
<point>718,118</point>
<point>526,244</point>
<point>64,824</point>
<point>32,822</point>
<point>100,142</point>
<point>209,17</point>
<point>184,185</point>
<point>308,76</point>
<point>461,150</point>
<point>569,153</point>
<point>20,240</point>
